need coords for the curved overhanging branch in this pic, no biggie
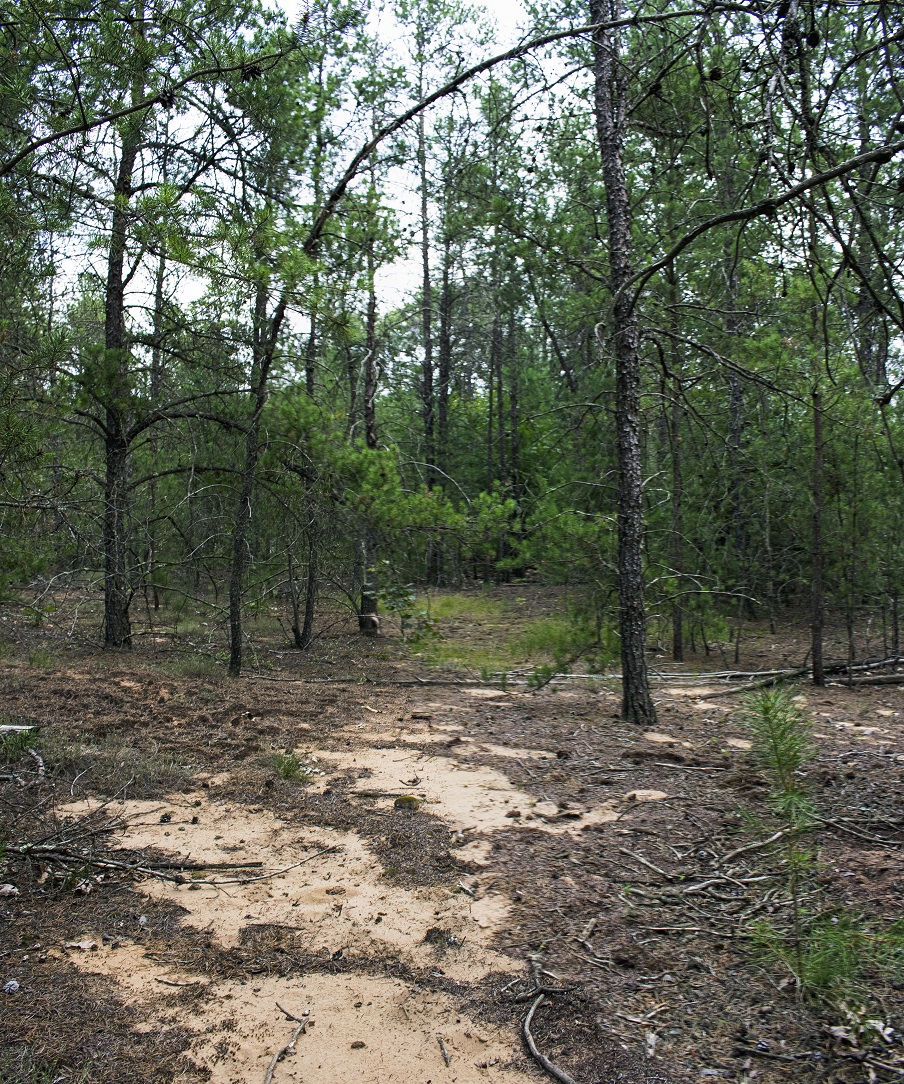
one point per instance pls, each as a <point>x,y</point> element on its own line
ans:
<point>99,121</point>
<point>765,208</point>
<point>329,207</point>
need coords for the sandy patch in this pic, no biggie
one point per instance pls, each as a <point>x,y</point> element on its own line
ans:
<point>333,900</point>
<point>371,1030</point>
<point>691,690</point>
<point>738,743</point>
<point>666,739</point>
<point>476,853</point>
<point>646,796</point>
<point>439,734</point>
<point>466,796</point>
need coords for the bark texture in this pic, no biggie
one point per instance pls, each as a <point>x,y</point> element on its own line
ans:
<point>117,585</point>
<point>610,109</point>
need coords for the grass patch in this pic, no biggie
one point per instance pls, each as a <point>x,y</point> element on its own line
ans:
<point>41,659</point>
<point>290,767</point>
<point>109,765</point>
<point>14,744</point>
<point>194,666</point>
<point>24,1068</point>
<point>451,607</point>
<point>550,637</point>
<point>470,656</point>
<point>510,642</point>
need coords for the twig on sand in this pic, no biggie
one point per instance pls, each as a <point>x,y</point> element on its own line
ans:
<point>541,1059</point>
<point>267,876</point>
<point>446,1056</point>
<point>289,1048</point>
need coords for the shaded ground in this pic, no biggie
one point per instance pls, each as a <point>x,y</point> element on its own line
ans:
<point>553,847</point>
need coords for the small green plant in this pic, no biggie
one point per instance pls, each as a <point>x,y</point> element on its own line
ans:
<point>40,659</point>
<point>13,744</point>
<point>289,766</point>
<point>416,623</point>
<point>782,745</point>
<point>39,612</point>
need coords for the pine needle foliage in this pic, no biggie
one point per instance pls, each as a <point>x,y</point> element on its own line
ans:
<point>782,746</point>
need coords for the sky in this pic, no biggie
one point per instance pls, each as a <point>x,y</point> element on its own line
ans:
<point>398,280</point>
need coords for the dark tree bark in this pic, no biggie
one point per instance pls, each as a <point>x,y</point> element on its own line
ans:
<point>368,621</point>
<point>428,405</point>
<point>817,556</point>
<point>445,359</point>
<point>610,110</point>
<point>117,585</point>
<point>266,336</point>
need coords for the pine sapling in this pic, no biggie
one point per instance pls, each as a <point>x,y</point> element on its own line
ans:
<point>782,746</point>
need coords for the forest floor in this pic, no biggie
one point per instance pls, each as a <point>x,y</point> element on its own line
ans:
<point>549,846</point>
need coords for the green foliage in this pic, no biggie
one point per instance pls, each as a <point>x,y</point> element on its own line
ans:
<point>14,743</point>
<point>782,746</point>
<point>416,622</point>
<point>289,766</point>
<point>838,954</point>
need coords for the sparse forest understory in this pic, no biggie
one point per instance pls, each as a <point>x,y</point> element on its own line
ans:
<point>647,343</point>
<point>384,405</point>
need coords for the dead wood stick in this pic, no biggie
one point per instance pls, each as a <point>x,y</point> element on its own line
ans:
<point>539,1058</point>
<point>863,835</point>
<point>763,683</point>
<point>289,1048</point>
<point>446,1056</point>
<point>38,760</point>
<point>59,855</point>
<point>751,847</point>
<point>267,876</point>
<point>689,767</point>
<point>878,679</point>
<point>643,861</point>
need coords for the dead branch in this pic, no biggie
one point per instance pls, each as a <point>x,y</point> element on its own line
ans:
<point>539,1058</point>
<point>288,1049</point>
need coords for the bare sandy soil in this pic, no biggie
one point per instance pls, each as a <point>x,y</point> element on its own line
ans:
<point>538,846</point>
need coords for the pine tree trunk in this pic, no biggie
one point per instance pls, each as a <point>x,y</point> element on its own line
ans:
<point>610,109</point>
<point>266,334</point>
<point>817,557</point>
<point>368,621</point>
<point>117,586</point>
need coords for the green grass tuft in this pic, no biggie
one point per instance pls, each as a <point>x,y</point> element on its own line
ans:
<point>289,766</point>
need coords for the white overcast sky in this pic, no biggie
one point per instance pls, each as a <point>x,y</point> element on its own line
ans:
<point>507,14</point>
<point>399,279</point>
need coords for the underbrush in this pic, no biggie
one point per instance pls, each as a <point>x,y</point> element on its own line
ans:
<point>496,640</point>
<point>827,956</point>
<point>112,765</point>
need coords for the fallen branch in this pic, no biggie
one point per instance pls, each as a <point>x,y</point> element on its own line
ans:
<point>539,1058</point>
<point>763,683</point>
<point>751,847</point>
<point>862,835</point>
<point>446,1056</point>
<point>288,1049</point>
<point>644,862</point>
<point>65,857</point>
